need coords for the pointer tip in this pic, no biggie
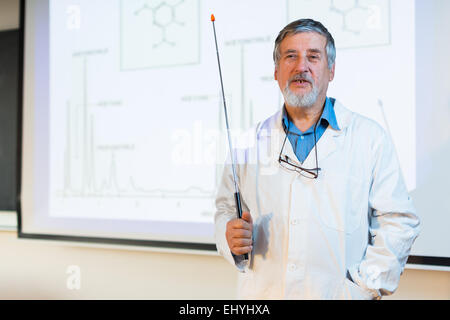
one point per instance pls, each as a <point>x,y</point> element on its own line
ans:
<point>213,18</point>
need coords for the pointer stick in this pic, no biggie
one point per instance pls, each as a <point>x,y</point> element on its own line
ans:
<point>237,195</point>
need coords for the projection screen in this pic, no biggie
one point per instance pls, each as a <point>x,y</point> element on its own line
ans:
<point>123,133</point>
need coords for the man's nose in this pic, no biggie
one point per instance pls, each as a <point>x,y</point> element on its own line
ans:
<point>301,65</point>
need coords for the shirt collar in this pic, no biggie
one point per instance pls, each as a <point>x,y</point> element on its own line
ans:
<point>328,115</point>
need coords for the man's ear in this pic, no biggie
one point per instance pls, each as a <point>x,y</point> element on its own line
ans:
<point>275,73</point>
<point>332,72</point>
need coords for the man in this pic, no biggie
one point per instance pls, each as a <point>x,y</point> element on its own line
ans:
<point>326,211</point>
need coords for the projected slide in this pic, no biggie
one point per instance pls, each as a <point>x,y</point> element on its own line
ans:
<point>353,23</point>
<point>136,118</point>
<point>154,33</point>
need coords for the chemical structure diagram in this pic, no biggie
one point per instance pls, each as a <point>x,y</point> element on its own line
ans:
<point>163,15</point>
<point>354,15</point>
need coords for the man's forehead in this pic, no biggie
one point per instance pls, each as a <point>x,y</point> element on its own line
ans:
<point>304,41</point>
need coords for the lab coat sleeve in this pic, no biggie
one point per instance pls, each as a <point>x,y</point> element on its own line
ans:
<point>393,224</point>
<point>226,211</point>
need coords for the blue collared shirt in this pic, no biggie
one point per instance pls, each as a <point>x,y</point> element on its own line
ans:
<point>303,142</point>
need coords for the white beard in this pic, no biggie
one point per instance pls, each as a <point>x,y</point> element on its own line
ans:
<point>306,100</point>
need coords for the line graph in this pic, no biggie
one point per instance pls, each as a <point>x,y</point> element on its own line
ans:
<point>83,155</point>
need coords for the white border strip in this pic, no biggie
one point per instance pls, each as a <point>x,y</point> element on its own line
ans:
<point>8,220</point>
<point>426,267</point>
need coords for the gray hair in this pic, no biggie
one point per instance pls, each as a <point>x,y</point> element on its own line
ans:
<point>306,25</point>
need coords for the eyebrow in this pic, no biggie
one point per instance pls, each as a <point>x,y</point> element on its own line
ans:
<point>313,50</point>
<point>290,51</point>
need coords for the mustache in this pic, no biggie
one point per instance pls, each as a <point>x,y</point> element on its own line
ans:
<point>301,76</point>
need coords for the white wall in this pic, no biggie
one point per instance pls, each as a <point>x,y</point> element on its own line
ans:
<point>37,269</point>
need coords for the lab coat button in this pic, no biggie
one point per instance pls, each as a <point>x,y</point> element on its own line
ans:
<point>294,221</point>
<point>292,267</point>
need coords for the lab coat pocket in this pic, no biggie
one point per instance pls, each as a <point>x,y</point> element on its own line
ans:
<point>343,203</point>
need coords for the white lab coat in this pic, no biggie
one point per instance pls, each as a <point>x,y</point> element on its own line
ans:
<point>311,236</point>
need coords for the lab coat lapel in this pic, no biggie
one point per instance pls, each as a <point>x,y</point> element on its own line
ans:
<point>327,144</point>
<point>287,150</point>
<point>270,137</point>
<point>331,138</point>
